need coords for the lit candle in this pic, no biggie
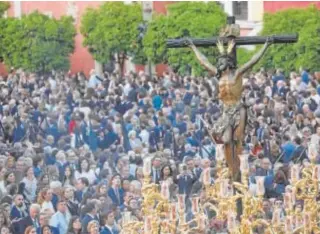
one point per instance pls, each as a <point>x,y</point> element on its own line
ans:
<point>224,187</point>
<point>231,222</point>
<point>126,217</point>
<point>181,201</point>
<point>206,177</point>
<point>147,167</point>
<point>165,190</point>
<point>195,205</point>
<point>276,216</point>
<point>287,200</point>
<point>230,191</point>
<point>295,172</point>
<point>260,185</point>
<point>173,211</point>
<point>313,152</point>
<point>316,172</point>
<point>202,223</point>
<point>298,221</point>
<point>220,152</point>
<point>306,220</point>
<point>147,224</point>
<point>293,196</point>
<point>288,225</point>
<point>244,163</point>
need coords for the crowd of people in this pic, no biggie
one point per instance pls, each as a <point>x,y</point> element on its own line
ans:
<point>72,149</point>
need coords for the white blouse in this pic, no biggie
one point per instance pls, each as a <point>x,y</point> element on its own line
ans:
<point>90,175</point>
<point>47,205</point>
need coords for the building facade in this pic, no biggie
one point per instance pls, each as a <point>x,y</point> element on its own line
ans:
<point>248,15</point>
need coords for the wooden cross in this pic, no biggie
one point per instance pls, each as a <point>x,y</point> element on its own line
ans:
<point>232,32</point>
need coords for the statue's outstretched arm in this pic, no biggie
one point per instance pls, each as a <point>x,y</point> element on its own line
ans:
<point>254,59</point>
<point>201,57</point>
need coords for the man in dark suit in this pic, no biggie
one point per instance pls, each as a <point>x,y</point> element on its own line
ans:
<point>31,220</point>
<point>185,182</point>
<point>90,212</point>
<point>115,192</point>
<point>18,210</point>
<point>194,171</point>
<point>82,189</point>
<point>155,172</point>
<point>299,154</point>
<point>108,227</point>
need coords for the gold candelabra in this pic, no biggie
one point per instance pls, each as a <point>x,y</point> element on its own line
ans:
<point>164,216</point>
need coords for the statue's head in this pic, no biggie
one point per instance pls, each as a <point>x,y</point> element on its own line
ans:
<point>225,60</point>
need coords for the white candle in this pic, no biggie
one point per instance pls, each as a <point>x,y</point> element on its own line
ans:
<point>224,187</point>
<point>298,221</point>
<point>147,166</point>
<point>316,172</point>
<point>288,225</point>
<point>295,172</point>
<point>244,163</point>
<point>165,190</point>
<point>293,196</point>
<point>312,152</point>
<point>276,216</point>
<point>306,220</point>
<point>231,222</point>
<point>181,201</point>
<point>206,177</point>
<point>173,211</point>
<point>287,200</point>
<point>195,205</point>
<point>147,224</point>
<point>202,223</point>
<point>260,185</point>
<point>220,152</point>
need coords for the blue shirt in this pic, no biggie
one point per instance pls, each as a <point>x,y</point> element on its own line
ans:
<point>157,102</point>
<point>60,221</point>
<point>93,81</point>
<point>287,150</point>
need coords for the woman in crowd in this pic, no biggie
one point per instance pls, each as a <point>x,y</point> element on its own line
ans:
<point>45,198</point>
<point>74,225</point>
<point>3,189</point>
<point>4,219</point>
<point>72,203</point>
<point>69,177</point>
<point>85,171</point>
<point>93,227</point>
<point>30,182</point>
<point>30,230</point>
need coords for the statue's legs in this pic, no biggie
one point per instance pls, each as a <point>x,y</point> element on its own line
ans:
<point>233,139</point>
<point>232,160</point>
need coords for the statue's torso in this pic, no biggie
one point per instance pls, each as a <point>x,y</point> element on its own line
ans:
<point>230,90</point>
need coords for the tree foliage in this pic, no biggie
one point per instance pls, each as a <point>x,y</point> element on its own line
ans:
<point>306,52</point>
<point>193,19</point>
<point>37,43</point>
<point>3,7</point>
<point>112,29</point>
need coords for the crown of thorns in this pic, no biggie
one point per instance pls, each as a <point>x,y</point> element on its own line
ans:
<point>221,47</point>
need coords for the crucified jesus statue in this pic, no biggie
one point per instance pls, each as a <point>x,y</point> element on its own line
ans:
<point>230,127</point>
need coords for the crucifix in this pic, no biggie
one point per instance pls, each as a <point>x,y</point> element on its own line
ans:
<point>229,129</point>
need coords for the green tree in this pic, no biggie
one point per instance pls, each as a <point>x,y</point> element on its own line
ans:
<point>193,19</point>
<point>304,53</point>
<point>112,29</point>
<point>3,7</point>
<point>37,43</point>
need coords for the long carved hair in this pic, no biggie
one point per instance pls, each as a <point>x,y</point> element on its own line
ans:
<point>225,60</point>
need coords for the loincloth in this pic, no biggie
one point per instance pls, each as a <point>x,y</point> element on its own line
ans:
<point>230,117</point>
